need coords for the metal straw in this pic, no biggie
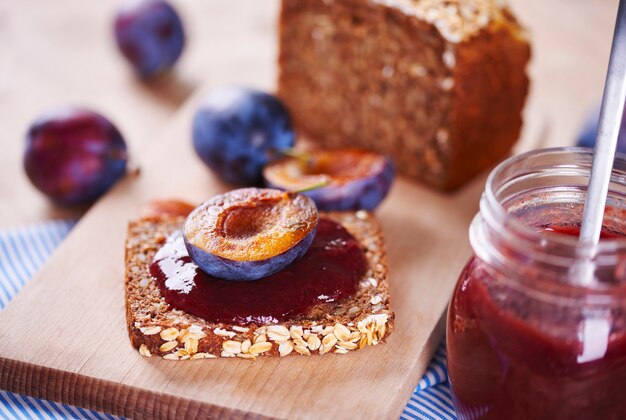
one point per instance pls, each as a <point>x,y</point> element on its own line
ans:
<point>606,142</point>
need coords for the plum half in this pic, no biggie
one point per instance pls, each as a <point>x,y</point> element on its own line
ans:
<point>352,179</point>
<point>250,233</point>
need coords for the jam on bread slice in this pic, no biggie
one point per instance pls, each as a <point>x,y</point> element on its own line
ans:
<point>358,317</point>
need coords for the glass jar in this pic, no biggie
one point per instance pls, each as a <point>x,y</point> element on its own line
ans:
<point>529,335</point>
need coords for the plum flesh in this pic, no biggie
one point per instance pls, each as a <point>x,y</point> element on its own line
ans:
<point>352,179</point>
<point>250,233</point>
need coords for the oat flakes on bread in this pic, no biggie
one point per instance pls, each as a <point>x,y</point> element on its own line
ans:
<point>156,329</point>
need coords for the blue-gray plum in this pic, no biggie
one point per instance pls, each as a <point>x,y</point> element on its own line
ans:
<point>74,155</point>
<point>250,233</point>
<point>150,34</point>
<point>587,136</point>
<point>237,131</point>
<point>350,179</point>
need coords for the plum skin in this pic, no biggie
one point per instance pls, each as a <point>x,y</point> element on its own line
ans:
<point>150,34</point>
<point>237,131</point>
<point>237,269</point>
<point>74,155</point>
<point>365,193</point>
<point>587,135</point>
<point>226,269</point>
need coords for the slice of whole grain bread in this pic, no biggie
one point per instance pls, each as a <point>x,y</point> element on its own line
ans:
<point>155,328</point>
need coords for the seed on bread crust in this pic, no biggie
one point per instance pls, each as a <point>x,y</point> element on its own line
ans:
<point>324,349</point>
<point>300,342</point>
<point>203,356</point>
<point>259,348</point>
<point>169,334</point>
<point>278,333</point>
<point>341,332</point>
<point>231,346</point>
<point>150,330</point>
<point>381,331</point>
<point>314,342</point>
<point>296,332</point>
<point>363,342</point>
<point>246,356</point>
<point>191,345</point>
<point>240,329</point>
<point>329,340</point>
<point>285,348</point>
<point>223,333</point>
<point>302,350</point>
<point>144,351</point>
<point>375,300</point>
<point>327,330</point>
<point>245,346</point>
<point>167,346</point>
<point>348,345</point>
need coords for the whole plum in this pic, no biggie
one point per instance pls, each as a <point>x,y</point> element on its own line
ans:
<point>149,33</point>
<point>237,131</point>
<point>74,155</point>
<point>587,136</point>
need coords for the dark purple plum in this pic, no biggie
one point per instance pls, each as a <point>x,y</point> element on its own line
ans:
<point>74,155</point>
<point>351,179</point>
<point>149,33</point>
<point>250,233</point>
<point>237,131</point>
<point>587,136</point>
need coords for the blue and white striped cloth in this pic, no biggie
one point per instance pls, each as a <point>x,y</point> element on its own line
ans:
<point>23,250</point>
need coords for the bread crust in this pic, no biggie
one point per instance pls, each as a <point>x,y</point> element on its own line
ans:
<point>157,329</point>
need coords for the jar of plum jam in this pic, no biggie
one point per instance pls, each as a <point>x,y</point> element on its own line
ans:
<point>527,336</point>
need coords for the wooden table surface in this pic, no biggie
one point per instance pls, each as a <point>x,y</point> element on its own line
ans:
<point>62,52</point>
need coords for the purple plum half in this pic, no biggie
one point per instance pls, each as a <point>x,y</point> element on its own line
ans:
<point>351,179</point>
<point>74,155</point>
<point>250,233</point>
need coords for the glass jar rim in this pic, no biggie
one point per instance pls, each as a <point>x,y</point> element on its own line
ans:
<point>605,245</point>
<point>540,169</point>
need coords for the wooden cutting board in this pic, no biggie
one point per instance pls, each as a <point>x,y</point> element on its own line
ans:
<point>64,336</point>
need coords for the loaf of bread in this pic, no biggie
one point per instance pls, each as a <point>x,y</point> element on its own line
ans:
<point>156,329</point>
<point>439,85</point>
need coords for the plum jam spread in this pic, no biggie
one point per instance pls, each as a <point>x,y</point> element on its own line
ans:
<point>536,326</point>
<point>503,366</point>
<point>329,272</point>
